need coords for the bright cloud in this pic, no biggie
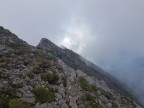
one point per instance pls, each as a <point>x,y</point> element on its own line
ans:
<point>77,36</point>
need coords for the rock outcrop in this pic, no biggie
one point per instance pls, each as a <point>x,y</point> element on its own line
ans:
<point>47,76</point>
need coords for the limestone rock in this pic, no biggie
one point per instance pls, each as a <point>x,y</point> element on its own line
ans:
<point>73,103</point>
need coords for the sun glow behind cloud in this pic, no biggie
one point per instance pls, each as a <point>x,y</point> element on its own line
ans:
<point>76,36</point>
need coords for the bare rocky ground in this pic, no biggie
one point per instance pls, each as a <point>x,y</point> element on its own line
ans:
<point>31,77</point>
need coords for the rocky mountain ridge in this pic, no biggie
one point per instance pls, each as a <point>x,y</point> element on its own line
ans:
<point>78,62</point>
<point>47,76</point>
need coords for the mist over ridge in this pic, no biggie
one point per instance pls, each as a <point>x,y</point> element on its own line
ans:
<point>109,33</point>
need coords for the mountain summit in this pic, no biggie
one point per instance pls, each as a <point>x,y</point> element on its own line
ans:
<point>48,76</point>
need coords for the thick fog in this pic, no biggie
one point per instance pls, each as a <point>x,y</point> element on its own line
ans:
<point>108,32</point>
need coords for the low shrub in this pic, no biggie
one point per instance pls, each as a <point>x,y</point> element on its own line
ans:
<point>4,103</point>
<point>30,75</point>
<point>108,95</point>
<point>44,95</point>
<point>84,84</point>
<point>10,92</point>
<point>59,67</point>
<point>15,45</point>
<point>94,105</point>
<point>50,57</point>
<point>37,70</point>
<point>64,81</point>
<point>16,86</point>
<point>16,103</point>
<point>52,78</point>
<point>89,98</point>
<point>94,88</point>
<point>91,101</point>
<point>44,64</point>
<point>5,96</point>
<point>114,105</point>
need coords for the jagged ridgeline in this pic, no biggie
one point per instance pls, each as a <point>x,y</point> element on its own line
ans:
<point>48,76</point>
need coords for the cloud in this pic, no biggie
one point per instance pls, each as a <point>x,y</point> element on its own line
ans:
<point>116,38</point>
<point>76,36</point>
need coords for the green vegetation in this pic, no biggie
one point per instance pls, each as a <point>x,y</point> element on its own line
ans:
<point>16,103</point>
<point>64,81</point>
<point>4,76</point>
<point>4,103</point>
<point>21,51</point>
<point>114,105</point>
<point>94,88</point>
<point>86,86</point>
<point>108,95</point>
<point>91,101</point>
<point>5,96</point>
<point>30,74</point>
<point>89,97</point>
<point>16,86</point>
<point>44,64</point>
<point>9,92</point>
<point>37,70</point>
<point>94,105</point>
<point>44,95</point>
<point>59,67</point>
<point>52,78</point>
<point>50,56</point>
<point>15,45</point>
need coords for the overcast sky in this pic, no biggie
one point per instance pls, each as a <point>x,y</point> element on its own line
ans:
<point>108,32</point>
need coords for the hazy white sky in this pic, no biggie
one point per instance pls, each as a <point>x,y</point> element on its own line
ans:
<point>108,32</point>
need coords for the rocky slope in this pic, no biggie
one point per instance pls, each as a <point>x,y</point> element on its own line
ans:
<point>47,76</point>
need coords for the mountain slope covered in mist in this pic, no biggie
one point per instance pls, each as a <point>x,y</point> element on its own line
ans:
<point>47,76</point>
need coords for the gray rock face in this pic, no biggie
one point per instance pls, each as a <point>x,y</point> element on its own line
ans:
<point>64,106</point>
<point>1,85</point>
<point>42,106</point>
<point>2,47</point>
<point>29,99</point>
<point>73,103</point>
<point>26,70</point>
<point>79,63</point>
<point>58,96</point>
